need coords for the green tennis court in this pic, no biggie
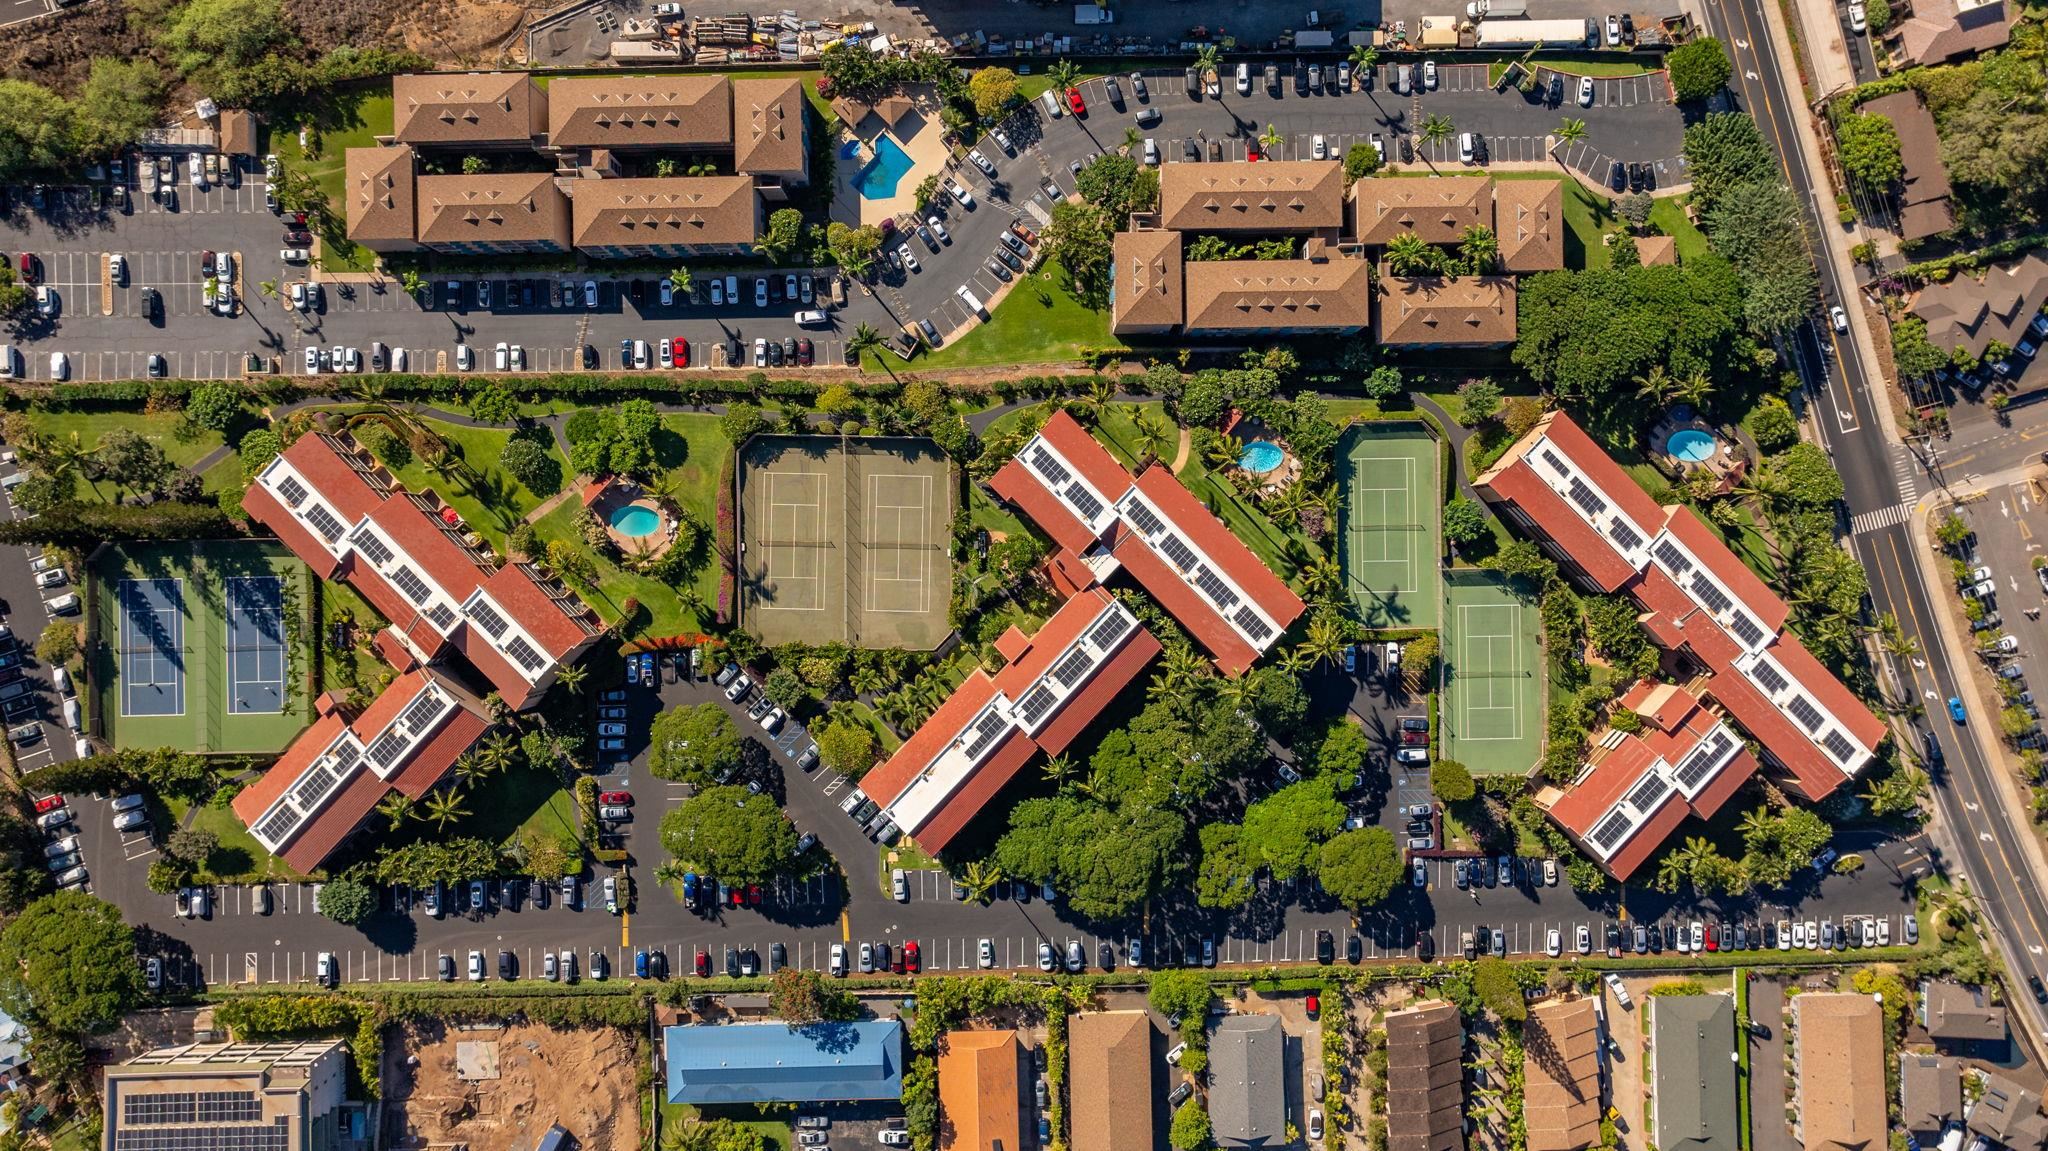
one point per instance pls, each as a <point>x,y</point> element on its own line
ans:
<point>1392,522</point>
<point>1493,676</point>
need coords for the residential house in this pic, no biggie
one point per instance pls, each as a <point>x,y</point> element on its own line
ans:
<point>1109,1080</point>
<point>674,218</point>
<point>1971,312</point>
<point>1561,1075</point>
<point>1939,31</point>
<point>1930,1095</point>
<point>378,187</point>
<point>1960,1013</point>
<point>669,111</point>
<point>470,111</point>
<point>1248,1082</point>
<point>494,214</point>
<point>1425,1084</point>
<point>1445,312</point>
<point>980,1091</point>
<point>2009,1115</point>
<point>1924,205</point>
<point>14,1060</point>
<point>1692,1078</point>
<point>1838,1097</point>
<point>286,1096</point>
<point>780,1063</point>
<point>771,142</point>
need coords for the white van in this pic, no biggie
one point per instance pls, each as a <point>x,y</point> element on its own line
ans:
<point>972,301</point>
<point>9,366</point>
<point>64,604</point>
<point>72,719</point>
<point>810,319</point>
<point>62,679</point>
<point>1052,104</point>
<point>1244,78</point>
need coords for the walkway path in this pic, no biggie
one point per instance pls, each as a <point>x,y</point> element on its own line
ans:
<point>1187,445</point>
<point>1457,433</point>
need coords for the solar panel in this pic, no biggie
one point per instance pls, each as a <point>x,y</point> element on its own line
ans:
<point>314,784</point>
<point>1179,552</point>
<point>1037,703</point>
<point>278,824</point>
<point>1674,561</point>
<point>1141,517</point>
<point>1212,585</point>
<point>1624,536</point>
<point>1747,629</point>
<point>989,726</point>
<point>291,491</point>
<point>1802,709</point>
<point>1053,471</point>
<point>486,617</point>
<point>323,521</point>
<point>1074,667</point>
<point>1612,831</point>
<point>1704,758</point>
<point>1587,499</point>
<point>1767,676</point>
<point>1084,502</point>
<point>1648,791</point>
<point>1253,626</point>
<point>272,1136</point>
<point>1557,464</point>
<point>421,713</point>
<point>346,755</point>
<point>229,1107</point>
<point>1713,598</point>
<point>523,652</point>
<point>366,542</point>
<point>412,585</point>
<point>1109,629</point>
<point>1839,747</point>
<point>442,615</point>
<point>386,748</point>
<point>160,1107</point>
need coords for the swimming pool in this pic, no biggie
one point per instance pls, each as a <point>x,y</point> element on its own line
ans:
<point>878,180</point>
<point>1691,445</point>
<point>636,520</point>
<point>1261,456</point>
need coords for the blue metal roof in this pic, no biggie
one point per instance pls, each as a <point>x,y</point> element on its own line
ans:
<point>777,1063</point>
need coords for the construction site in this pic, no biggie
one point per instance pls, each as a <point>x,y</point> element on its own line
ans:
<point>500,1087</point>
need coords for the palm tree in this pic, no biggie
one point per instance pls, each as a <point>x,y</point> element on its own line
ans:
<point>1323,579</point>
<point>1694,389</point>
<point>1131,138</point>
<point>1270,139</point>
<point>445,807</point>
<point>1480,248</point>
<point>1224,452</point>
<point>679,281</point>
<point>669,872</point>
<point>979,879</point>
<point>1363,57</point>
<point>1409,254</point>
<point>1437,128</point>
<point>1894,639</point>
<point>395,807</point>
<point>866,680</point>
<point>411,282</point>
<point>866,339</point>
<point>496,752</point>
<point>1326,638</point>
<point>268,288</point>
<point>1155,435</point>
<point>1063,74</point>
<point>1571,131</point>
<point>1655,385</point>
<point>572,677</point>
<point>1209,60</point>
<point>1059,769</point>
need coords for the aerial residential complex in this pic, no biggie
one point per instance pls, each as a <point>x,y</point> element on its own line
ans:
<point>248,1096</point>
<point>1728,647</point>
<point>450,603</point>
<point>599,135</point>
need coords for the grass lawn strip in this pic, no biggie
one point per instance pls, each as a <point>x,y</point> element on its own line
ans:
<point>1039,321</point>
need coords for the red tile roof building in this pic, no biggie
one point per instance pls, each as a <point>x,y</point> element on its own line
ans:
<point>1176,549</point>
<point>1057,681</point>
<point>1697,599</point>
<point>411,557</point>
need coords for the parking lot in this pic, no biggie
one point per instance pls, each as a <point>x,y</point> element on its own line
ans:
<point>2008,524</point>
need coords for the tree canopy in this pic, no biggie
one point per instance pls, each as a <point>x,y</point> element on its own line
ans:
<point>1361,867</point>
<point>67,962</point>
<point>731,833</point>
<point>1105,862</point>
<point>1869,148</point>
<point>1284,830</point>
<point>1699,68</point>
<point>693,744</point>
<point>1587,334</point>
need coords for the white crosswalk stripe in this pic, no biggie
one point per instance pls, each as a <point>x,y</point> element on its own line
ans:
<point>1880,519</point>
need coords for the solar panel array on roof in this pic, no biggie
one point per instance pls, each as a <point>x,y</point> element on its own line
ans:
<point>409,582</point>
<point>1648,791</point>
<point>523,652</point>
<point>1179,552</point>
<point>1624,536</point>
<point>1142,518</point>
<point>1612,831</point>
<point>1556,463</point>
<point>986,729</point>
<point>160,1107</point>
<point>1251,623</point>
<point>1696,767</point>
<point>442,615</point>
<point>1747,629</point>
<point>1212,585</point>
<point>386,748</point>
<point>1587,499</point>
<point>291,491</point>
<point>1037,702</point>
<point>1713,598</point>
<point>314,783</point>
<point>1674,561</point>
<point>1768,676</point>
<point>485,617</point>
<point>273,1136</point>
<point>229,1107</point>
<point>421,713</point>
<point>1049,466</point>
<point>1073,667</point>
<point>278,824</point>
<point>1839,747</point>
<point>366,542</point>
<point>1809,716</point>
<point>324,522</point>
<point>1109,629</point>
<point>1084,501</point>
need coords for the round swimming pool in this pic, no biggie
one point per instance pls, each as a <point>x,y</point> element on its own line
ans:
<point>636,520</point>
<point>1261,456</point>
<point>1691,445</point>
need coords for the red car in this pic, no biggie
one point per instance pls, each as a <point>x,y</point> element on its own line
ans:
<point>753,895</point>
<point>49,803</point>
<point>682,352</point>
<point>1713,938</point>
<point>913,959</point>
<point>1075,102</point>
<point>1251,151</point>
<point>28,268</point>
<point>621,798</point>
<point>736,896</point>
<point>1023,233</point>
<point>703,964</point>
<point>1315,1006</point>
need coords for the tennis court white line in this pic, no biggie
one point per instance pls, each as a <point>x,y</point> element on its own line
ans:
<point>157,659</point>
<point>922,508</point>
<point>1466,639</point>
<point>816,506</point>
<point>1410,580</point>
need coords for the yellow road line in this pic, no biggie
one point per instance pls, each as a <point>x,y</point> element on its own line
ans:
<point>845,929</point>
<point>625,929</point>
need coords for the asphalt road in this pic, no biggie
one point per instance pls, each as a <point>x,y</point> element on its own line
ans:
<point>1881,480</point>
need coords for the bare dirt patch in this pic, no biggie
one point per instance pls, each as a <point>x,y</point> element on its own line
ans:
<point>438,1088</point>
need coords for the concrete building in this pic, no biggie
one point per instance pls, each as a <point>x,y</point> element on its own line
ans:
<point>1248,1082</point>
<point>379,184</point>
<point>1272,197</point>
<point>239,1096</point>
<point>1445,312</point>
<point>667,111</point>
<point>1692,1086</point>
<point>770,135</point>
<point>1525,216</point>
<point>981,1094</point>
<point>1109,1080</point>
<point>1425,1089</point>
<point>1838,1096</point>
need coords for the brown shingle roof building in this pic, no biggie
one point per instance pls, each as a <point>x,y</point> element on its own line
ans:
<point>1840,1097</point>
<point>1959,1012</point>
<point>1109,1081</point>
<point>980,1073</point>
<point>1425,1078</point>
<point>471,109</point>
<point>1528,220</point>
<point>512,212</point>
<point>1147,297</point>
<point>1238,196</point>
<point>1438,209</point>
<point>1930,1094</point>
<point>1924,206</point>
<point>1656,250</point>
<point>2008,1114</point>
<point>1277,296</point>
<point>678,216</point>
<point>237,132</point>
<point>379,189</point>
<point>1561,1076</point>
<point>1434,312</point>
<point>1969,313</point>
<point>1943,30</point>
<point>665,111</point>
<point>768,132</point>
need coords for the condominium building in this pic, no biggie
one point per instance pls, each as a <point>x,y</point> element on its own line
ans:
<point>227,1097</point>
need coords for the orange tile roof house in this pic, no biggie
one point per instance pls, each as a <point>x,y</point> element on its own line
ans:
<point>1109,1081</point>
<point>625,112</point>
<point>492,214</point>
<point>469,110</point>
<point>1175,548</point>
<point>378,187</point>
<point>656,218</point>
<point>981,1075</point>
<point>1556,486</point>
<point>1239,196</point>
<point>1561,1076</point>
<point>1839,1094</point>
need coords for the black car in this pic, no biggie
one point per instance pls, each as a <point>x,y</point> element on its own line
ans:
<point>2040,992</point>
<point>1671,936</point>
<point>1002,890</point>
<point>1326,947</point>
<point>1635,177</point>
<point>1189,148</point>
<point>789,349</point>
<point>589,356</point>
<point>1425,946</point>
<point>1180,1094</point>
<point>1300,78</point>
<point>774,354</point>
<point>1556,90</point>
<point>1617,176</point>
<point>152,304</point>
<point>1407,148</point>
<point>1354,948</point>
<point>1649,177</point>
<point>1194,81</point>
<point>778,957</point>
<point>1628,29</point>
<point>1613,940</point>
<point>505,967</point>
<point>1105,955</point>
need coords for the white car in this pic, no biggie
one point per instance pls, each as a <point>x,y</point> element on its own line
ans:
<point>910,259</point>
<point>1429,74</point>
<point>117,267</point>
<point>981,161</point>
<point>323,968</point>
<point>899,885</point>
<point>1421,873</point>
<point>1784,936</point>
<point>838,964</point>
<point>1582,940</point>
<point>717,292</point>
<point>1315,1124</point>
<point>772,720</point>
<point>938,229</point>
<point>1812,935</point>
<point>1318,147</point>
<point>271,167</point>
<point>1553,943</point>
<point>465,357</point>
<point>1585,91</point>
<point>590,293</point>
<point>312,359</point>
<point>1550,873</point>
<point>1858,18</point>
<point>1839,318</point>
<point>476,966</point>
<point>1174,1053</point>
<point>961,194</point>
<point>224,299</point>
<point>985,954</point>
<point>60,366</point>
<point>1046,961</point>
<point>293,255</point>
<point>501,355</point>
<point>47,300</point>
<point>1613,31</point>
<point>198,166</point>
<point>1244,79</point>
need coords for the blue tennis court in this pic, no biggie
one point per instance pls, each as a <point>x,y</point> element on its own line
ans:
<point>152,646</point>
<point>255,609</point>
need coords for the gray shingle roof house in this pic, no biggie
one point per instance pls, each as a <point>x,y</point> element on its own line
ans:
<point>1960,1012</point>
<point>1248,1082</point>
<point>1930,1094</point>
<point>1692,1043</point>
<point>2008,1114</point>
<point>777,1063</point>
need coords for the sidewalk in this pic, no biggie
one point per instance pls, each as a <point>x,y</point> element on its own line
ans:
<point>1820,25</point>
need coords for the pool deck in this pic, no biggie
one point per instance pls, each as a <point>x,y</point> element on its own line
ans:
<point>928,155</point>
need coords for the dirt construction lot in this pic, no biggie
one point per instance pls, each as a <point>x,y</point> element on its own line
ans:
<point>494,1088</point>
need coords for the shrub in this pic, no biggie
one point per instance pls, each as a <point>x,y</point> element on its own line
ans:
<point>532,466</point>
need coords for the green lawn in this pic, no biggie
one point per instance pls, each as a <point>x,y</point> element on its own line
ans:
<point>502,805</point>
<point>1345,409</point>
<point>1040,321</point>
<point>1263,536</point>
<point>776,1131</point>
<point>1595,64</point>
<point>490,500</point>
<point>983,512</point>
<point>364,119</point>
<point>359,666</point>
<point>1117,428</point>
<point>159,427</point>
<point>856,710</point>
<point>1668,216</point>
<point>1586,215</point>
<point>239,858</point>
<point>693,456</point>
<point>661,613</point>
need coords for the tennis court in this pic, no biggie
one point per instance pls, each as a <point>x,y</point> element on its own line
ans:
<point>1393,546</point>
<point>194,645</point>
<point>1493,675</point>
<point>845,540</point>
